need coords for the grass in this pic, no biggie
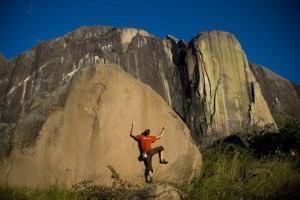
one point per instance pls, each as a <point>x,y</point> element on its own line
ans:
<point>24,193</point>
<point>234,173</point>
<point>85,190</point>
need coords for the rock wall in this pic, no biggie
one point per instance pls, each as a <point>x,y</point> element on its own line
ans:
<point>227,98</point>
<point>282,95</point>
<point>91,130</point>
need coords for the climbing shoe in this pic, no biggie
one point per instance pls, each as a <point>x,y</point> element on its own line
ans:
<point>148,179</point>
<point>164,161</point>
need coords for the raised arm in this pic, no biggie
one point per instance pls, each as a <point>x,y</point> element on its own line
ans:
<point>131,132</point>
<point>161,133</point>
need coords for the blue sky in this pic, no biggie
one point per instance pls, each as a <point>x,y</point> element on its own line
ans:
<point>268,30</point>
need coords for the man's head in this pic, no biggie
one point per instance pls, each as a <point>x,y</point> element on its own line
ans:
<point>146,132</point>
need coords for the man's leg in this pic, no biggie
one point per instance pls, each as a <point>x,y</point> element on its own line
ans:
<point>149,169</point>
<point>160,151</point>
<point>162,160</point>
<point>148,161</point>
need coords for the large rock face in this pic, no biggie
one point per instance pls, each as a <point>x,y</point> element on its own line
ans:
<point>91,128</point>
<point>282,95</point>
<point>207,82</point>
<point>226,96</point>
<point>43,68</point>
<point>29,81</point>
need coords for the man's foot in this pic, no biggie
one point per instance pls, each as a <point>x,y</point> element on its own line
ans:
<point>164,161</point>
<point>148,178</point>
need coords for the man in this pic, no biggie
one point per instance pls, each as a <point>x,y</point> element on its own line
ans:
<point>147,152</point>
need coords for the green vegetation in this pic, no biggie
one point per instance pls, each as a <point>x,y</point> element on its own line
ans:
<point>23,193</point>
<point>119,190</point>
<point>231,173</point>
<point>84,190</point>
<point>268,169</point>
<point>281,119</point>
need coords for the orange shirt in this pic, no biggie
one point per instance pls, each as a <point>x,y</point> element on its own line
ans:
<point>146,141</point>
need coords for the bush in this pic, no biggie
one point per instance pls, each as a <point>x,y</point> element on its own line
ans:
<point>277,144</point>
<point>119,189</point>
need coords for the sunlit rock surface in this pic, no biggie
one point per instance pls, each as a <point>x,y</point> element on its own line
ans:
<point>227,98</point>
<point>90,130</point>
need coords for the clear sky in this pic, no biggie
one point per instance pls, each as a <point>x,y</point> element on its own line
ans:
<point>268,30</point>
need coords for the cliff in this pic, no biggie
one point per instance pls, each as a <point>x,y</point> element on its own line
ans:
<point>174,69</point>
<point>226,97</point>
<point>282,95</point>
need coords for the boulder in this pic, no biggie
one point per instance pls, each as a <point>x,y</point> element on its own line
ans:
<point>90,130</point>
<point>161,192</point>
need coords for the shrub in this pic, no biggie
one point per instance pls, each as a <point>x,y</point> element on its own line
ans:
<point>119,189</point>
<point>277,144</point>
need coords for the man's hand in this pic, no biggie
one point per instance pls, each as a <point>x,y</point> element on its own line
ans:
<point>131,132</point>
<point>162,132</point>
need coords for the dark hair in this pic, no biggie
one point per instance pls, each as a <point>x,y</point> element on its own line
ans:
<point>146,132</point>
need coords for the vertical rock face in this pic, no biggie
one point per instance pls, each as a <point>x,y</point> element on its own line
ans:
<point>227,98</point>
<point>282,95</point>
<point>92,130</point>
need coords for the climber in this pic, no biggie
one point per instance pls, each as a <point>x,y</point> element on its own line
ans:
<point>147,152</point>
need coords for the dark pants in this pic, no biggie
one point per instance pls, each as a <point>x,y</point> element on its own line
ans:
<point>150,153</point>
